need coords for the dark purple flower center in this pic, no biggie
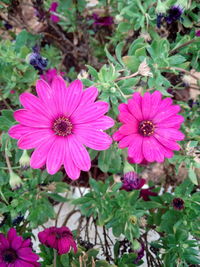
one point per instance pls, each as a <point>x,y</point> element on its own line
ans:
<point>62,126</point>
<point>178,203</point>
<point>9,255</point>
<point>146,128</point>
<point>63,234</point>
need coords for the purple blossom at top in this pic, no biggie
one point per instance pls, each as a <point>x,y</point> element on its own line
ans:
<point>53,8</point>
<point>102,21</point>
<point>131,181</point>
<point>174,14</point>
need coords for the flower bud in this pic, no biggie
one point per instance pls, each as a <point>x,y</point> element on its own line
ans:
<point>24,160</point>
<point>15,181</point>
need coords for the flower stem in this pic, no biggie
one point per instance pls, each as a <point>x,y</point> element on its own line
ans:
<point>175,50</point>
<point>54,257</point>
<point>182,70</point>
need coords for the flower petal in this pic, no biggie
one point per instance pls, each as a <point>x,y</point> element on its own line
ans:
<point>71,169</point>
<point>34,139</point>
<point>102,123</point>
<point>146,105</point>
<point>117,136</point>
<point>4,244</point>
<point>172,122</point>
<point>126,141</point>
<point>130,128</point>
<point>90,112</point>
<point>166,113</point>
<point>89,95</point>
<point>135,148</point>
<point>39,156</point>
<point>170,144</point>
<point>123,107</point>
<point>79,154</point>
<point>56,154</point>
<point>44,91</point>
<point>27,254</point>
<point>171,134</point>
<point>126,117</point>
<point>32,119</point>
<point>152,150</point>
<point>19,130</point>
<point>135,109</point>
<point>156,99</point>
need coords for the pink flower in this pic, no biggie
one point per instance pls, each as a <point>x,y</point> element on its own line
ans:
<point>60,239</point>
<point>16,252</point>
<point>150,127</point>
<point>49,75</point>
<point>198,33</point>
<point>59,123</point>
<point>53,8</point>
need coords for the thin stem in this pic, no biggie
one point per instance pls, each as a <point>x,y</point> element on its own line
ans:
<point>127,77</point>
<point>59,211</point>
<point>3,197</point>
<point>8,162</point>
<point>182,70</point>
<point>69,215</point>
<point>175,50</point>
<point>54,258</point>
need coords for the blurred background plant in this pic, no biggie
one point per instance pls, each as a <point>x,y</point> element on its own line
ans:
<point>120,47</point>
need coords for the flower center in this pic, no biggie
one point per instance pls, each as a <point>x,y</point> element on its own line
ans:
<point>9,255</point>
<point>146,128</point>
<point>62,126</point>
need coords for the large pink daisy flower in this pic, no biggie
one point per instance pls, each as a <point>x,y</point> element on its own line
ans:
<point>16,252</point>
<point>59,123</point>
<point>150,127</point>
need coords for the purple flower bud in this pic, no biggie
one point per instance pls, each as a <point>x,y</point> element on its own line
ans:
<point>37,61</point>
<point>178,203</point>
<point>131,181</point>
<point>102,21</point>
<point>174,14</point>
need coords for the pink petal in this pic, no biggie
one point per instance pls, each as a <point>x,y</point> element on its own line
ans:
<point>26,243</point>
<point>63,246</point>
<point>117,136</point>
<point>34,139</point>
<point>31,119</point>
<point>16,242</point>
<point>89,95</point>
<point>73,97</point>
<point>18,130</point>
<point>33,104</point>
<point>146,105</point>
<point>92,138</point>
<point>126,117</point>
<point>102,123</point>
<point>4,244</point>
<point>44,91</point>
<point>2,264</point>
<point>126,141</point>
<point>27,254</point>
<point>79,154</point>
<point>171,134</point>
<point>165,103</point>
<point>59,87</point>
<point>56,155</point>
<point>166,152</point>
<point>152,150</point>
<point>135,148</point>
<point>123,107</point>
<point>138,98</point>
<point>170,144</point>
<point>166,113</point>
<point>20,263</point>
<point>39,156</point>
<point>130,128</point>
<point>135,109</point>
<point>156,99</point>
<point>90,112</point>
<point>71,169</point>
<point>172,122</point>
<point>12,234</point>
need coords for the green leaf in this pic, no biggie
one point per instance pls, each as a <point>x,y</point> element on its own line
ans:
<point>124,27</point>
<point>192,176</point>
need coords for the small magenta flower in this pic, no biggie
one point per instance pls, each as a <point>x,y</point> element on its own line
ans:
<point>178,203</point>
<point>49,75</point>
<point>150,128</point>
<point>131,181</point>
<point>174,14</point>
<point>197,33</point>
<point>16,252</point>
<point>102,21</point>
<point>59,123</point>
<point>60,239</point>
<point>53,8</point>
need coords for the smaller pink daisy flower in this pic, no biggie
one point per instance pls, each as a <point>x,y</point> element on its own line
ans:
<point>150,128</point>
<point>60,239</point>
<point>16,252</point>
<point>53,8</point>
<point>49,75</point>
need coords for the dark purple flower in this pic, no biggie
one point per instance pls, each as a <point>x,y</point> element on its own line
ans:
<point>197,33</point>
<point>159,19</point>
<point>140,252</point>
<point>145,193</point>
<point>7,25</point>
<point>131,181</point>
<point>178,203</point>
<point>37,61</point>
<point>53,8</point>
<point>102,21</point>
<point>18,220</point>
<point>174,14</point>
